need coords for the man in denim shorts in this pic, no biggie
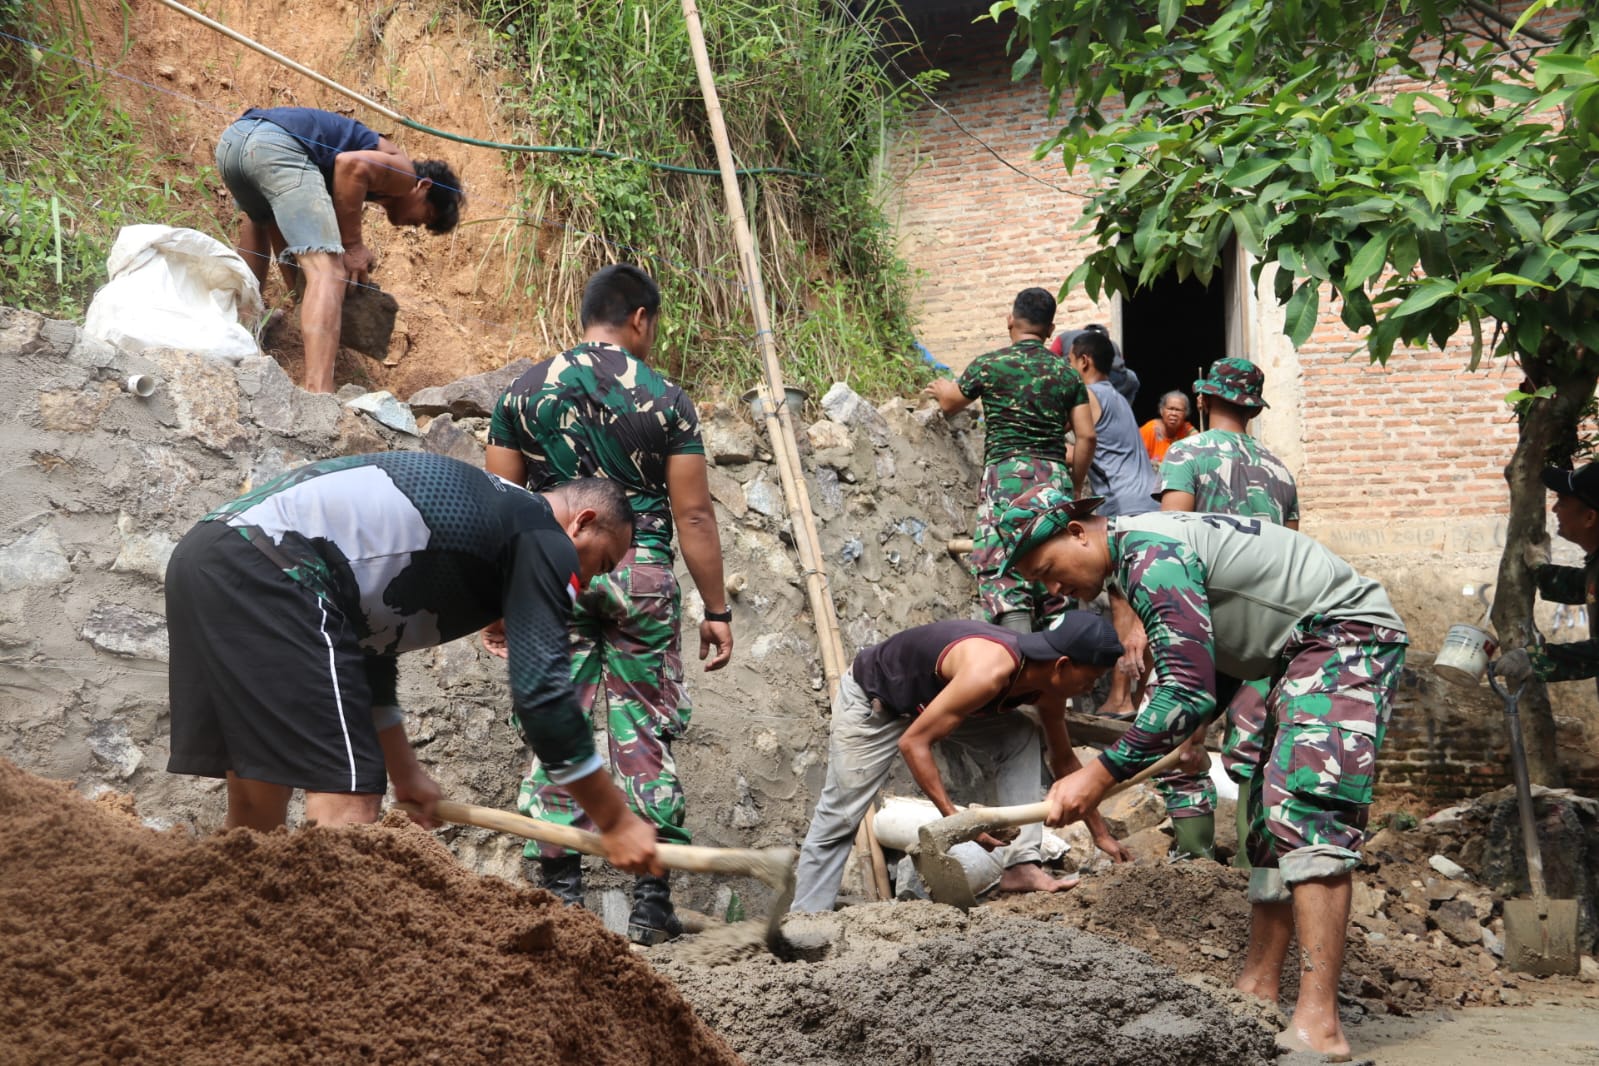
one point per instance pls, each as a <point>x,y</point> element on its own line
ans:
<point>301,177</point>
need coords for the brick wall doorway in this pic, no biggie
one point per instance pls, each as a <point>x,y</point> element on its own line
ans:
<point>1170,332</point>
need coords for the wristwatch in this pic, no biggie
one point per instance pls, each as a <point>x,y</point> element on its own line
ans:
<point>719,616</point>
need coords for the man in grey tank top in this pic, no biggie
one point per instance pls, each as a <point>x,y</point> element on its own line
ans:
<point>1254,600</point>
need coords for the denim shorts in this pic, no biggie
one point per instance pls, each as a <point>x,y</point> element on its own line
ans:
<point>273,180</point>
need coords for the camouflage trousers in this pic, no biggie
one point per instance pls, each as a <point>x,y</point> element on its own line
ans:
<point>627,646</point>
<point>1191,795</point>
<point>1003,482</point>
<point>1311,783</point>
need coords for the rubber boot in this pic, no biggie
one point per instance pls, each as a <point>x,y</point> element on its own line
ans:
<point>1194,837</point>
<point>1016,621</point>
<point>1241,858</point>
<point>652,921</point>
<point>564,877</point>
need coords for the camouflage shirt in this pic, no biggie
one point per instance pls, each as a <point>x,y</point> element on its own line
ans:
<point>1578,659</point>
<point>1230,473</point>
<point>1028,395</point>
<point>596,411</point>
<point>1217,591</point>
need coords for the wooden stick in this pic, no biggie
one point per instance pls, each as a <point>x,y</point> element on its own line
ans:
<point>779,420</point>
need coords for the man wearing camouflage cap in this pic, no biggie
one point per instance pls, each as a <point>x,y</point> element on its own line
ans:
<point>1224,470</point>
<point>1031,397</point>
<point>1253,600</point>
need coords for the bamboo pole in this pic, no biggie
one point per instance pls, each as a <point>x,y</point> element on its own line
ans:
<point>780,423</point>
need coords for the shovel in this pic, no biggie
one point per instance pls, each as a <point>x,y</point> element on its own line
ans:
<point>943,873</point>
<point>1540,933</point>
<point>771,866</point>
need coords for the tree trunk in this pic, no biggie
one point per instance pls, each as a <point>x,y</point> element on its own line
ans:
<point>1550,422</point>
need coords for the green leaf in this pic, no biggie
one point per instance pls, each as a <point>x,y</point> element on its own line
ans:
<point>1299,319</point>
<point>1169,11</point>
<point>1365,263</point>
<point>1434,186</point>
<point>1429,292</point>
<point>1023,65</point>
<point>1249,172</point>
<point>1514,279</point>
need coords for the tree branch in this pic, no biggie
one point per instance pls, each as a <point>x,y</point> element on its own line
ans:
<point>1488,11</point>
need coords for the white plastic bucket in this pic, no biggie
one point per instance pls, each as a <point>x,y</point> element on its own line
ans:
<point>1463,659</point>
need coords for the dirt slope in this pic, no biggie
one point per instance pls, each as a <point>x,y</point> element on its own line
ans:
<point>423,59</point>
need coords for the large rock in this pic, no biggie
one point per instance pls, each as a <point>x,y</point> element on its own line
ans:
<point>445,437</point>
<point>728,439</point>
<point>37,560</point>
<point>472,397</point>
<point>386,410</point>
<point>127,631</point>
<point>846,407</point>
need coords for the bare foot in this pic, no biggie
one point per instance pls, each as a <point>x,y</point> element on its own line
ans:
<point>1030,877</point>
<point>1256,989</point>
<point>1334,1049</point>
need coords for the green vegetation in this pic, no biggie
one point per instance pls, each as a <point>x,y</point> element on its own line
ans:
<point>802,86</point>
<point>1430,163</point>
<point>73,169</point>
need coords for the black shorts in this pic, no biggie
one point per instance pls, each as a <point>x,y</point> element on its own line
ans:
<point>267,678</point>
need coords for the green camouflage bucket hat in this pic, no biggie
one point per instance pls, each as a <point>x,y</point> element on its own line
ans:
<point>1035,516</point>
<point>1235,380</point>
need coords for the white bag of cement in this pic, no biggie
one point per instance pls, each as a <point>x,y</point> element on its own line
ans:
<point>175,288</point>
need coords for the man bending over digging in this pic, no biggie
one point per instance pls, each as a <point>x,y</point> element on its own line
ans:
<point>957,683</point>
<point>287,608</point>
<point>1254,600</point>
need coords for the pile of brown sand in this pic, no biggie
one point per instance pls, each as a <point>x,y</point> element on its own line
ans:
<point>362,944</point>
<point>918,983</point>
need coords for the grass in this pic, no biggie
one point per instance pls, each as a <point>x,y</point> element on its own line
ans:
<point>801,87</point>
<point>73,168</point>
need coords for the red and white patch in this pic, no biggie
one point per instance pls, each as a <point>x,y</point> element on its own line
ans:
<point>574,585</point>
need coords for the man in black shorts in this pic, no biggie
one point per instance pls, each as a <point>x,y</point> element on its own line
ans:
<point>287,607</point>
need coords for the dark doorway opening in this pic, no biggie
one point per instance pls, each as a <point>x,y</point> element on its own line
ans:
<point>1171,332</point>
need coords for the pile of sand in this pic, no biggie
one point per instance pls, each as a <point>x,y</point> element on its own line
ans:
<point>362,944</point>
<point>910,984</point>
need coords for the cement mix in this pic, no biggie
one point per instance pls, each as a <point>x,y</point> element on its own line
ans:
<point>919,984</point>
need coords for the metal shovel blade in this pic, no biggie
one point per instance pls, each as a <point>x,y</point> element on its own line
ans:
<point>1542,944</point>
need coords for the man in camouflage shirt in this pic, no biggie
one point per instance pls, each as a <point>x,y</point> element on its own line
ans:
<point>1577,520</point>
<point>598,410</point>
<point>1226,471</point>
<point>1253,600</point>
<point>1031,397</point>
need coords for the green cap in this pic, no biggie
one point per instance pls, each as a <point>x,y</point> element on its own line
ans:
<point>1235,380</point>
<point>1034,517</point>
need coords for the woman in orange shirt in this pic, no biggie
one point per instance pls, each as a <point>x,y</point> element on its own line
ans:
<point>1172,425</point>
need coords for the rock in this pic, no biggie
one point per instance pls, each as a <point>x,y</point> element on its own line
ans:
<point>728,440</point>
<point>827,434</point>
<point>357,437</point>
<point>1449,868</point>
<point>844,406</point>
<point>1438,891</point>
<point>204,396</point>
<point>1366,899</point>
<point>444,437</point>
<point>76,410</point>
<point>37,560</point>
<point>764,497</point>
<point>1134,810</point>
<point>109,743</point>
<point>828,499</point>
<point>367,321</point>
<point>472,397</point>
<point>1458,921</point>
<point>383,407</point>
<point>127,631</point>
<point>1493,941</point>
<point>727,492</point>
<point>142,553</point>
<point>1589,974</point>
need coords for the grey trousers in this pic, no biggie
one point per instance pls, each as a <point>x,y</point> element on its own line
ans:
<point>861,755</point>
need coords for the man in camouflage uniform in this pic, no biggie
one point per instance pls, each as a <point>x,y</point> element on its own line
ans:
<point>1031,397</point>
<point>1224,470</point>
<point>1576,520</point>
<point>1253,600</point>
<point>598,410</point>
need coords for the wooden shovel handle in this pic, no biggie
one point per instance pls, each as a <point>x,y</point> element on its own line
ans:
<point>974,820</point>
<point>690,857</point>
